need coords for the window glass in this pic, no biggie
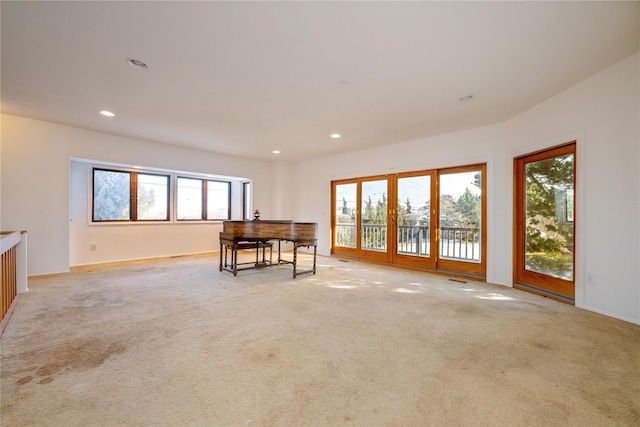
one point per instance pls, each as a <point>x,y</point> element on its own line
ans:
<point>121,195</point>
<point>218,199</point>
<point>111,190</point>
<point>246,202</point>
<point>414,215</point>
<point>548,230</point>
<point>460,216</point>
<point>189,199</point>
<point>346,211</point>
<point>152,197</point>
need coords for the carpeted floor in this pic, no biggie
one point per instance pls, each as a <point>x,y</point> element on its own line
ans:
<point>175,342</point>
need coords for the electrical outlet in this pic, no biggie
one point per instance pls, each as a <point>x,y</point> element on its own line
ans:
<point>93,246</point>
<point>591,278</point>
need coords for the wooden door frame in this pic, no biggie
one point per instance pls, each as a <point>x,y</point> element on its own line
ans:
<point>343,250</point>
<point>370,255</point>
<point>433,263</point>
<point>410,260</point>
<point>520,274</point>
<point>477,269</point>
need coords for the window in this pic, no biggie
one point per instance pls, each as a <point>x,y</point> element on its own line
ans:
<point>189,199</point>
<point>218,199</point>
<point>129,196</point>
<point>246,200</point>
<point>203,199</point>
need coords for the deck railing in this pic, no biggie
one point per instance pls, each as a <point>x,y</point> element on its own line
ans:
<point>413,239</point>
<point>462,243</point>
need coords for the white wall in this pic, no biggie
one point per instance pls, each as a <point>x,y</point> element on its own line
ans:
<point>36,165</point>
<point>602,113</point>
<point>282,190</point>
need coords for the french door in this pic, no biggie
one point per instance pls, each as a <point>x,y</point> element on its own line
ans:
<point>414,238</point>
<point>544,223</point>
<point>461,218</point>
<point>426,219</point>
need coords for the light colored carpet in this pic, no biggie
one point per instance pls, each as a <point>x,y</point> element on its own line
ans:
<point>176,342</point>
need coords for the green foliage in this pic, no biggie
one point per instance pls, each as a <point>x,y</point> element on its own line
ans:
<point>376,237</point>
<point>369,213</point>
<point>375,214</point>
<point>381,211</point>
<point>111,195</point>
<point>477,180</point>
<point>554,264</point>
<point>468,208</point>
<point>546,231</point>
<point>449,215</point>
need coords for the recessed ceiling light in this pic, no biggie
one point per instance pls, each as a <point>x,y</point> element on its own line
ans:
<point>137,64</point>
<point>335,135</point>
<point>276,151</point>
<point>107,113</point>
<point>465,98</point>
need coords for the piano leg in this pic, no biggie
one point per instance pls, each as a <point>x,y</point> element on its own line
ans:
<point>257,255</point>
<point>295,260</point>
<point>315,250</point>
<point>234,260</point>
<point>279,258</point>
<point>307,244</point>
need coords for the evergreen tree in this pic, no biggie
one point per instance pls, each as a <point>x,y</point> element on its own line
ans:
<point>468,208</point>
<point>544,180</point>
<point>449,215</point>
<point>111,195</point>
<point>369,213</point>
<point>381,211</point>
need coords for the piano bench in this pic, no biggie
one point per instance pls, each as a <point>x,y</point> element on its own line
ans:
<point>253,245</point>
<point>235,246</point>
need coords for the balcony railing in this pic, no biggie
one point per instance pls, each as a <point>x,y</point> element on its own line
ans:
<point>462,243</point>
<point>413,240</point>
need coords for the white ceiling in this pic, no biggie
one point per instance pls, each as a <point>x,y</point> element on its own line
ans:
<point>246,78</point>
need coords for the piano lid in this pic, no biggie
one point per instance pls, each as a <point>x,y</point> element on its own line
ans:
<point>269,229</point>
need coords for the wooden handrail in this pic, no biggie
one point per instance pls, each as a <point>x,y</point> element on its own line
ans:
<point>8,239</point>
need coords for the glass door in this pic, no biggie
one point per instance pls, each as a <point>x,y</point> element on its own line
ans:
<point>461,216</point>
<point>413,220</point>
<point>431,219</point>
<point>360,218</point>
<point>374,236</point>
<point>544,223</point>
<point>345,211</point>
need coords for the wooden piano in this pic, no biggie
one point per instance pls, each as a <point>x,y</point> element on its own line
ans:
<point>258,235</point>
